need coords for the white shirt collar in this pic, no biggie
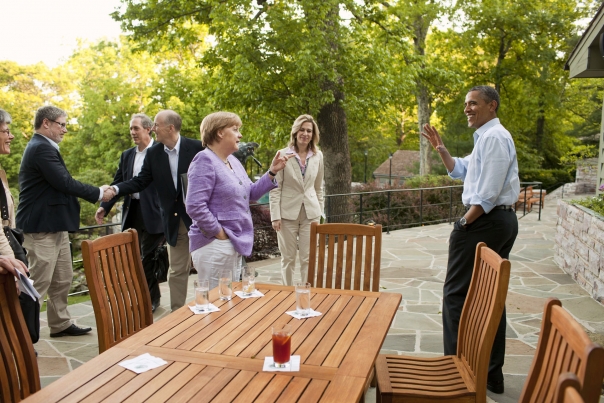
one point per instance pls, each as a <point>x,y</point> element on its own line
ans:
<point>52,142</point>
<point>176,147</point>
<point>483,129</point>
<point>146,148</point>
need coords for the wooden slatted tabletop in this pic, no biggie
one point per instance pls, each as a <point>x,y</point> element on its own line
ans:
<point>218,357</point>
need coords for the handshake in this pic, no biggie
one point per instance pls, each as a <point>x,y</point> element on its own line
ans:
<point>108,193</point>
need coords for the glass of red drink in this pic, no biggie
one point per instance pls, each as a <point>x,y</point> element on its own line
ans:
<point>282,345</point>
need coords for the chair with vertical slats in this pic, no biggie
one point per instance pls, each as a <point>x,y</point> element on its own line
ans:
<point>118,288</point>
<point>348,256</point>
<point>563,347</point>
<point>568,390</point>
<point>461,377</point>
<point>19,375</point>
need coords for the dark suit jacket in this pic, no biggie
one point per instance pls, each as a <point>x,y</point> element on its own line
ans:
<point>149,200</point>
<point>48,197</point>
<point>156,169</point>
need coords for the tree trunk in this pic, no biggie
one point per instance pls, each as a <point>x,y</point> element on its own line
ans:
<point>420,27</point>
<point>334,144</point>
<point>423,117</point>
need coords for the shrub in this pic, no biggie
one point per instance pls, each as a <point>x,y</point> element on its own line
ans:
<point>265,237</point>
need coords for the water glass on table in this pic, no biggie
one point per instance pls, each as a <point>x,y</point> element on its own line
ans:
<point>202,290</point>
<point>248,280</point>
<point>303,299</point>
<point>282,345</point>
<point>225,288</point>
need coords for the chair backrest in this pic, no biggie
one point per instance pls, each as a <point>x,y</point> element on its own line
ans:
<point>348,256</point>
<point>563,347</point>
<point>19,375</point>
<point>118,288</point>
<point>568,390</point>
<point>481,314</point>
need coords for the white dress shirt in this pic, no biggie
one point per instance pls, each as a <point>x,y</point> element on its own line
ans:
<point>173,159</point>
<point>490,172</point>
<point>139,158</point>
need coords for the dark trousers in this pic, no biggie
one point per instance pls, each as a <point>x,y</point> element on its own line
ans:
<point>148,243</point>
<point>498,230</point>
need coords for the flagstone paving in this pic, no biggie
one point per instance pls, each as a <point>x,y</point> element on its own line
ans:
<point>413,263</point>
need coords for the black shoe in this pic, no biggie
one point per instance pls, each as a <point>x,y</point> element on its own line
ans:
<point>495,386</point>
<point>72,330</point>
<point>154,305</point>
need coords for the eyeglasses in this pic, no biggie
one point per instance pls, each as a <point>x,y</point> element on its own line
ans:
<point>7,131</point>
<point>63,125</point>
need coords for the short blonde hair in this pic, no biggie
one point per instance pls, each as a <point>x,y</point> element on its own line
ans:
<point>213,123</point>
<point>314,141</point>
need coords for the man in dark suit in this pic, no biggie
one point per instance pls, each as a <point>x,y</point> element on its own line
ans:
<point>163,165</point>
<point>48,210</point>
<point>141,210</point>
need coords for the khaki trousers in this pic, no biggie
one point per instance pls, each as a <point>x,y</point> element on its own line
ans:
<point>178,275</point>
<point>51,270</point>
<point>294,237</point>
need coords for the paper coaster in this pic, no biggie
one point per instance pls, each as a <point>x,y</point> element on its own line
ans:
<point>211,308</point>
<point>255,294</point>
<point>311,314</point>
<point>143,363</point>
<point>294,365</point>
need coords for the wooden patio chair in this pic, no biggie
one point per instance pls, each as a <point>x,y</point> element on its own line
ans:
<point>563,347</point>
<point>568,390</point>
<point>348,256</point>
<point>118,288</point>
<point>461,377</point>
<point>19,375</point>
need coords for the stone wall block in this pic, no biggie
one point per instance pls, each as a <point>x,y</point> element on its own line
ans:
<point>582,251</point>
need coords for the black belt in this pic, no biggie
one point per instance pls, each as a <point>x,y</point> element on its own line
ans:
<point>502,207</point>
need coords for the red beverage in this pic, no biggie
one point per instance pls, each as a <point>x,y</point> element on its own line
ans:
<point>282,347</point>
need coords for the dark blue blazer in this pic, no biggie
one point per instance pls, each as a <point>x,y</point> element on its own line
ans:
<point>156,170</point>
<point>48,199</point>
<point>149,200</point>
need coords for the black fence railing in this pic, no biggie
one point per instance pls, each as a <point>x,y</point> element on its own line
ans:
<point>392,208</point>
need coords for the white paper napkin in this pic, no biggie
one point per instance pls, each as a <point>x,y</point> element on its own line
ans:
<point>255,294</point>
<point>211,308</point>
<point>143,363</point>
<point>311,314</point>
<point>294,365</point>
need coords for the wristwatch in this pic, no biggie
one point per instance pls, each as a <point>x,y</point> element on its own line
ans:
<point>463,222</point>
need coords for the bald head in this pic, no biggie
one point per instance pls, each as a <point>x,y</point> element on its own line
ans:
<point>170,118</point>
<point>167,127</point>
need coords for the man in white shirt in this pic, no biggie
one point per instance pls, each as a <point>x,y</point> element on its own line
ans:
<point>166,161</point>
<point>141,210</point>
<point>491,187</point>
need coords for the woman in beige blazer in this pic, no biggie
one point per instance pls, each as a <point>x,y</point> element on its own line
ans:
<point>298,201</point>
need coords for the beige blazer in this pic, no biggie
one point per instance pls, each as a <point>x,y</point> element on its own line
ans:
<point>5,248</point>
<point>286,200</point>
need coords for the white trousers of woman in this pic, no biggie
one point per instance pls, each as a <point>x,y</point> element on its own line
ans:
<point>294,237</point>
<point>212,260</point>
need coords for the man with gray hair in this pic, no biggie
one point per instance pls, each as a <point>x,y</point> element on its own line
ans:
<point>140,210</point>
<point>164,164</point>
<point>491,187</point>
<point>48,210</point>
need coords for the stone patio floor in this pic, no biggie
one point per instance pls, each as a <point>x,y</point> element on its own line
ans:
<point>413,264</point>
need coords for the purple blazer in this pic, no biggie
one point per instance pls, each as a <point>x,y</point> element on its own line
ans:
<point>217,197</point>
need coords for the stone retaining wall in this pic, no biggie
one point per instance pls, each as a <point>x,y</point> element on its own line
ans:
<point>579,247</point>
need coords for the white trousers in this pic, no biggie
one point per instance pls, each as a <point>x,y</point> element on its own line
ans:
<point>294,237</point>
<point>214,258</point>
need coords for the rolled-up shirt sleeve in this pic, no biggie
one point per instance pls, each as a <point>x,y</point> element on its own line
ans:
<point>461,168</point>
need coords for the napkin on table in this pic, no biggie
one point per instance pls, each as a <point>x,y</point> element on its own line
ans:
<point>311,314</point>
<point>211,308</point>
<point>143,363</point>
<point>255,294</point>
<point>294,365</point>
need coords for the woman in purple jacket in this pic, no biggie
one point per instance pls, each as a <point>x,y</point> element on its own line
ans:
<point>218,198</point>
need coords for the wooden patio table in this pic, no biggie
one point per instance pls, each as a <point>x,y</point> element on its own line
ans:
<point>219,356</point>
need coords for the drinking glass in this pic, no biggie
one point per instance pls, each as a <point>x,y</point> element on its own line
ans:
<point>248,280</point>
<point>202,289</point>
<point>303,299</point>
<point>225,289</point>
<point>282,345</point>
